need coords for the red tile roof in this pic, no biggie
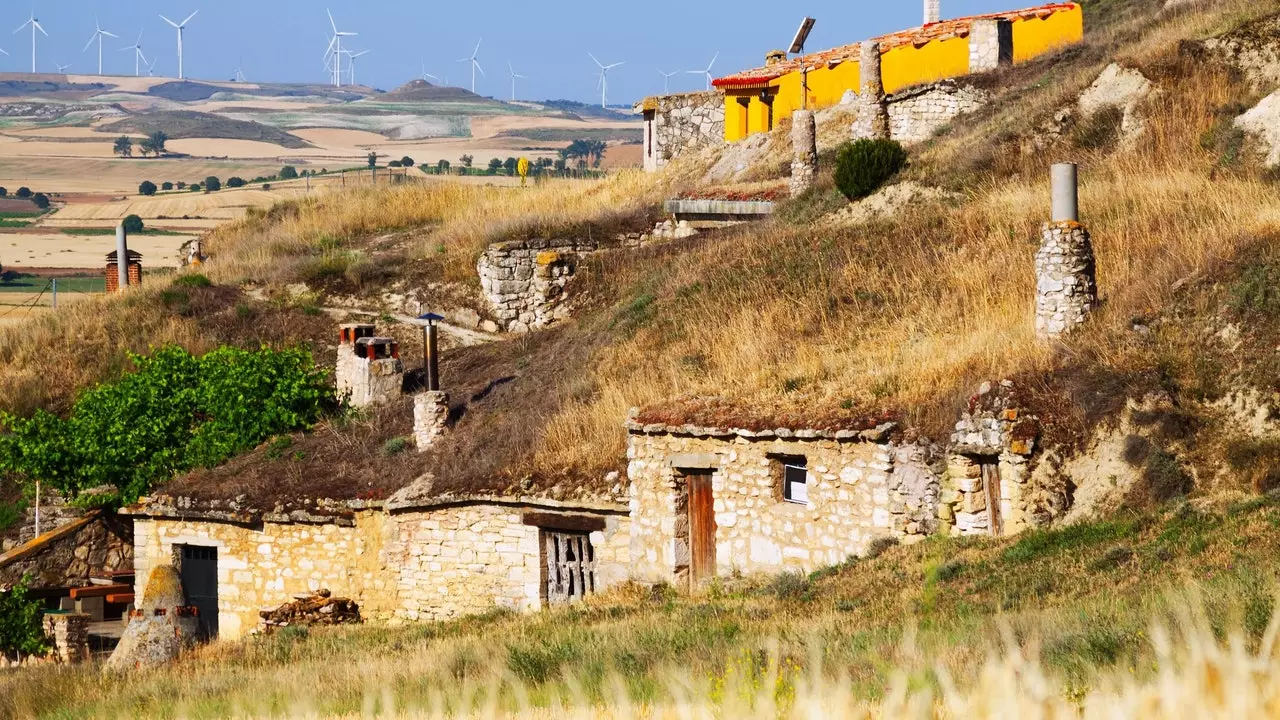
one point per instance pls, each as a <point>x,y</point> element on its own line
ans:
<point>945,30</point>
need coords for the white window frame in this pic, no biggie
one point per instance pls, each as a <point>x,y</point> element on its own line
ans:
<point>788,494</point>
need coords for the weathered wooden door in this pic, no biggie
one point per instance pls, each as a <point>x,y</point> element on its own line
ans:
<point>991,486</point>
<point>200,585</point>
<point>702,530</point>
<point>571,566</point>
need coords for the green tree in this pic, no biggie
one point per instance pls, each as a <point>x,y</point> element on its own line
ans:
<point>235,182</point>
<point>181,184</point>
<point>180,412</point>
<point>373,159</point>
<point>194,187</point>
<point>147,188</point>
<point>123,146</point>
<point>212,184</point>
<point>510,166</point>
<point>154,144</point>
<point>406,161</point>
<point>133,224</point>
<point>395,164</point>
<point>24,193</point>
<point>467,160</point>
<point>442,166</point>
<point>21,631</point>
<point>41,201</point>
<point>166,185</point>
<point>494,166</point>
<point>4,192</point>
<point>288,172</point>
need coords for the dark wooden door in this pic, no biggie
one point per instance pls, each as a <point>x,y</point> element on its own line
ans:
<point>200,585</point>
<point>702,530</point>
<point>991,486</point>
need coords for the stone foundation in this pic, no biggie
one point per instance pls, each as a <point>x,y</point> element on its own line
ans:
<point>70,635</point>
<point>525,280</point>
<point>1066,285</point>
<point>679,124</point>
<point>857,490</point>
<point>804,147</point>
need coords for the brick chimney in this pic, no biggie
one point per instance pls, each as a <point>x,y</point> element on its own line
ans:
<point>932,11</point>
<point>369,370</point>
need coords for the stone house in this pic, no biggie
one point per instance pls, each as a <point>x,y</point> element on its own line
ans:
<point>710,498</point>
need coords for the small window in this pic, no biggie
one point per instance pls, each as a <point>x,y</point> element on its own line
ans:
<point>792,473</point>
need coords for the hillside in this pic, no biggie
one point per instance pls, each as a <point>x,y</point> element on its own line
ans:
<point>1156,491</point>
<point>180,125</point>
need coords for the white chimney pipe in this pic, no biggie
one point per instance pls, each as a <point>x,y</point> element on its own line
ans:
<point>932,11</point>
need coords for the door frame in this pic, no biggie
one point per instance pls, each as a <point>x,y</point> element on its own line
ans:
<point>208,622</point>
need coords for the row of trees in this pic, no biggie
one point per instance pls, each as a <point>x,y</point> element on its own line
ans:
<point>40,200</point>
<point>214,184</point>
<point>153,144</point>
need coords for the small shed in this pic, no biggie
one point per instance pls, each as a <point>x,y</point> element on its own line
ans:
<point>113,272</point>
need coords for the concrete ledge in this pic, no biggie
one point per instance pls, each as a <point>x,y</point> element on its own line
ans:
<point>728,209</point>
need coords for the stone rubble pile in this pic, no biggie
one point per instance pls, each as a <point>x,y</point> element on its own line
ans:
<point>318,609</point>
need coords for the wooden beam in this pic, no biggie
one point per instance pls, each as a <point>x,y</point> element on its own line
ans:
<point>557,521</point>
<point>120,598</point>
<point>99,591</point>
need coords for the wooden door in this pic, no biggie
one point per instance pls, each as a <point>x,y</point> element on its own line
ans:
<point>991,486</point>
<point>571,566</point>
<point>702,530</point>
<point>200,585</point>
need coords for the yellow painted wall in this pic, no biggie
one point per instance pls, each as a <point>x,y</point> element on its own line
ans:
<point>907,65</point>
<point>901,67</point>
<point>1033,38</point>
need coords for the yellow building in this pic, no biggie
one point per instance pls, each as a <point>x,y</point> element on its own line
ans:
<point>755,99</point>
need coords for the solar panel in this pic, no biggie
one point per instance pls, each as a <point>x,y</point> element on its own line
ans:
<point>806,27</point>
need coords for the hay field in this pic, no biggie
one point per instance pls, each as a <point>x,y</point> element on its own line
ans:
<point>79,174</point>
<point>219,206</point>
<point>56,250</point>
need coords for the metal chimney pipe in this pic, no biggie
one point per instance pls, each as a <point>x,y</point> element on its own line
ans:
<point>122,256</point>
<point>1066,193</point>
<point>433,359</point>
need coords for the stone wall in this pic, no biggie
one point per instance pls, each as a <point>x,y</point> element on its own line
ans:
<point>472,559</point>
<point>92,546</point>
<point>678,124</point>
<point>992,432</point>
<point>916,114</point>
<point>264,566</point>
<point>857,491</point>
<point>525,280</point>
<point>990,45</point>
<point>429,564</point>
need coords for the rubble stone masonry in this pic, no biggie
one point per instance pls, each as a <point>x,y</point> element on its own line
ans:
<point>916,114</point>
<point>681,123</point>
<point>858,490</point>
<point>525,280</point>
<point>1066,279</point>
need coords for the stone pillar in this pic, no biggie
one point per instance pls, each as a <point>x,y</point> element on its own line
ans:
<point>70,634</point>
<point>1066,279</point>
<point>990,45</point>
<point>430,413</point>
<point>804,146</point>
<point>932,11</point>
<point>873,115</point>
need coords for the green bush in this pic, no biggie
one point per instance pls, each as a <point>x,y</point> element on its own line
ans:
<point>212,184</point>
<point>177,411</point>
<point>192,280</point>
<point>20,623</point>
<point>235,182</point>
<point>166,185</point>
<point>41,201</point>
<point>24,193</point>
<point>288,172</point>
<point>147,188</point>
<point>863,166</point>
<point>133,224</point>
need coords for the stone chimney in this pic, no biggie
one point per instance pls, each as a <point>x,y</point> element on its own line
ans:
<point>1066,271</point>
<point>430,415</point>
<point>773,57</point>
<point>369,370</point>
<point>873,115</point>
<point>932,11</point>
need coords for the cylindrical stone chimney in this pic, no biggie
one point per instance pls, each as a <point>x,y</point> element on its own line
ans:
<point>1066,270</point>
<point>873,115</point>
<point>804,146</point>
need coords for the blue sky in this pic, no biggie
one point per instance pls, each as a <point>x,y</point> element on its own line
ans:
<point>547,41</point>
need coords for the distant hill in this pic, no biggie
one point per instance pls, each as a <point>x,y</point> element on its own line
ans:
<point>181,124</point>
<point>188,91</point>
<point>573,107</point>
<point>423,91</point>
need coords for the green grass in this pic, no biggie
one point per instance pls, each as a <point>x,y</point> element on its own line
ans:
<point>28,284</point>
<point>19,215</point>
<point>4,223</point>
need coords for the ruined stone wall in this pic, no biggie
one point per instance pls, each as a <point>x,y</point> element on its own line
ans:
<point>264,566</point>
<point>677,124</point>
<point>472,559</point>
<point>101,545</point>
<point>858,490</point>
<point>916,114</point>
<point>525,280</point>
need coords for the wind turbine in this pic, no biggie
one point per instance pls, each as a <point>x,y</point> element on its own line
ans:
<point>335,47</point>
<point>98,34</point>
<point>180,26</point>
<point>239,77</point>
<point>707,72</point>
<point>513,81</point>
<point>604,80</point>
<point>152,66</point>
<point>138,57</point>
<point>62,69</point>
<point>475,64</point>
<point>35,25</point>
<point>426,74</point>
<point>666,80</point>
<point>351,63</point>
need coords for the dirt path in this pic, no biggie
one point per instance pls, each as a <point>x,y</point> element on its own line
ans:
<point>465,336</point>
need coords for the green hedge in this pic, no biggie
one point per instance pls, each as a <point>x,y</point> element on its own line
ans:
<point>864,165</point>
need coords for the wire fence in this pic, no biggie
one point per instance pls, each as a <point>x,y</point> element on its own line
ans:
<point>17,303</point>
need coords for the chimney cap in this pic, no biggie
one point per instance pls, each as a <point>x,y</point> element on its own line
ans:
<point>431,317</point>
